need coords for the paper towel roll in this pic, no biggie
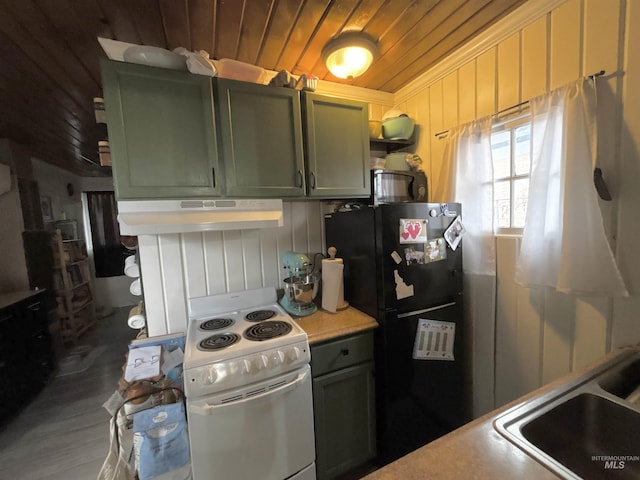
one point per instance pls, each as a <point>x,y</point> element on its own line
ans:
<point>332,284</point>
<point>136,318</point>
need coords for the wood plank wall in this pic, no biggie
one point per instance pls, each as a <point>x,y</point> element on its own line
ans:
<point>176,267</point>
<point>537,335</point>
<point>534,336</point>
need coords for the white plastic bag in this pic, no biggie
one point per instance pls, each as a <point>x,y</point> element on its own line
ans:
<point>198,62</point>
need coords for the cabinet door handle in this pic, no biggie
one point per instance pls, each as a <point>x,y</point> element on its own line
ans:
<point>300,178</point>
<point>213,176</point>
<point>344,352</point>
<point>313,180</point>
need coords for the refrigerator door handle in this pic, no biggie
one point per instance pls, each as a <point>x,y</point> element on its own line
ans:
<point>425,310</point>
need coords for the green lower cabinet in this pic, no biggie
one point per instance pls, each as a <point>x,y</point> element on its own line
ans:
<point>344,405</point>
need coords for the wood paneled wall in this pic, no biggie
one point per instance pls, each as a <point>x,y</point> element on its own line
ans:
<point>537,335</point>
<point>176,267</point>
<point>534,336</point>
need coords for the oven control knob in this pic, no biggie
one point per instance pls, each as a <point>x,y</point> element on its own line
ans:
<point>278,357</point>
<point>293,354</point>
<point>261,362</point>
<point>246,366</point>
<point>208,376</point>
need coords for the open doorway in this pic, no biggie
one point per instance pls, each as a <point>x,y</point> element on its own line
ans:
<point>108,250</point>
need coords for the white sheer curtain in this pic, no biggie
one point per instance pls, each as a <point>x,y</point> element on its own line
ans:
<point>467,177</point>
<point>564,245</point>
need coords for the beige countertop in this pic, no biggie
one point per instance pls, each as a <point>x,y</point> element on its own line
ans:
<point>323,326</point>
<point>10,298</point>
<point>476,450</point>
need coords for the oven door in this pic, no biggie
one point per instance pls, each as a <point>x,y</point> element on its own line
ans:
<point>264,430</point>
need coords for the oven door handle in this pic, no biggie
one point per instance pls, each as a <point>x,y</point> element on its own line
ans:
<point>203,407</point>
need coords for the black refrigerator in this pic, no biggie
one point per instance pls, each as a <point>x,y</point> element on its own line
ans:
<point>403,266</point>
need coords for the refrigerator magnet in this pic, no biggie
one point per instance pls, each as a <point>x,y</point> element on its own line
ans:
<point>435,250</point>
<point>413,256</point>
<point>402,289</point>
<point>454,233</point>
<point>434,340</point>
<point>413,230</point>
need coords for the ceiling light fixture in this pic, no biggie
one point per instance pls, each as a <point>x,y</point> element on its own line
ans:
<point>349,54</point>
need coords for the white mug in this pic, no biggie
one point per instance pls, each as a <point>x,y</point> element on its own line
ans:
<point>136,288</point>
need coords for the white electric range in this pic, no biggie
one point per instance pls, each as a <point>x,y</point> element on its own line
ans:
<point>248,389</point>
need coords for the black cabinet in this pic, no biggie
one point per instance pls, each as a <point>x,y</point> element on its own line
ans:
<point>343,404</point>
<point>26,353</point>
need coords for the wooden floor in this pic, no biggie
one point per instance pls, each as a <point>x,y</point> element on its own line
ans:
<point>63,434</point>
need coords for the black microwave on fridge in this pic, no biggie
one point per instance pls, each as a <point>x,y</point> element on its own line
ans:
<point>398,186</point>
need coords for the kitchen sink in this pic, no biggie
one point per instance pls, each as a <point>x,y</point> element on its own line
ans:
<point>586,428</point>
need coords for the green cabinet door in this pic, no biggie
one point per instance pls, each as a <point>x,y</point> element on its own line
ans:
<point>344,411</point>
<point>336,146</point>
<point>261,139</point>
<point>343,404</point>
<point>161,132</point>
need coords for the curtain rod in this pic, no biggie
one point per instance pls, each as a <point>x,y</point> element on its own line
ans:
<point>521,104</point>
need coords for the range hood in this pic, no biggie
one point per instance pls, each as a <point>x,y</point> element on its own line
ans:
<point>151,217</point>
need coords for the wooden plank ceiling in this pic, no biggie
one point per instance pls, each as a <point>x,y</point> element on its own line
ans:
<point>49,54</point>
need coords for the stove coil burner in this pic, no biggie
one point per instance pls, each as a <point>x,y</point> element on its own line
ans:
<point>219,341</point>
<point>267,330</point>
<point>259,315</point>
<point>216,324</point>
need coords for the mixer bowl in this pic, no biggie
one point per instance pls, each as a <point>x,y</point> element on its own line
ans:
<point>301,289</point>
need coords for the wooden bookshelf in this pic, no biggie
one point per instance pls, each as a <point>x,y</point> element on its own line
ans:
<point>73,286</point>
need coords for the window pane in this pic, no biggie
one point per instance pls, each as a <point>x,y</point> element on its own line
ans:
<point>502,196</point>
<point>520,198</point>
<point>522,162</point>
<point>501,152</point>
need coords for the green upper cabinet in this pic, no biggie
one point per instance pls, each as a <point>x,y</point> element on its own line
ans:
<point>170,139</point>
<point>336,146</point>
<point>261,139</point>
<point>161,132</point>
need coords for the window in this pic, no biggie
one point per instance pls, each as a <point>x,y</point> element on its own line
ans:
<point>511,151</point>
